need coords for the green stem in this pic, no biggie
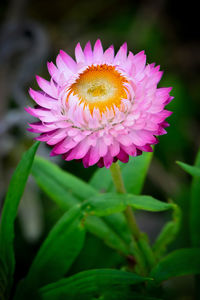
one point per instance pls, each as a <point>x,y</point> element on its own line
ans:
<point>120,188</point>
<point>138,237</point>
<point>117,178</point>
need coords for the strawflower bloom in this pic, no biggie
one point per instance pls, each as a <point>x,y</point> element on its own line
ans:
<point>100,107</point>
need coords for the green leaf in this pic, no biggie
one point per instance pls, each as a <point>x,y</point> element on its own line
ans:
<point>104,231</point>
<point>110,203</point>
<point>194,171</point>
<point>133,173</point>
<point>61,187</point>
<point>59,184</point>
<point>118,223</point>
<point>14,194</point>
<point>168,233</point>
<point>101,180</point>
<point>56,254</point>
<point>101,284</point>
<point>195,207</point>
<point>177,263</point>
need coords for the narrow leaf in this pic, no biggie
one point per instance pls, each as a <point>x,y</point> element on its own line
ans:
<point>56,254</point>
<point>92,283</point>
<point>118,223</point>
<point>178,263</point>
<point>168,233</point>
<point>54,182</point>
<point>43,169</point>
<point>134,173</point>
<point>14,194</point>
<point>104,231</point>
<point>195,207</point>
<point>54,188</point>
<point>110,203</point>
<point>194,171</point>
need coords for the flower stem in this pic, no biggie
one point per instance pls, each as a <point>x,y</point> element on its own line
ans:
<point>120,188</point>
<point>117,178</point>
<point>143,248</point>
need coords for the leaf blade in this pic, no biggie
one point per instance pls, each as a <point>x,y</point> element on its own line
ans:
<point>195,207</point>
<point>134,173</point>
<point>168,233</point>
<point>56,254</point>
<point>178,263</point>
<point>90,283</point>
<point>110,203</point>
<point>68,181</point>
<point>192,170</point>
<point>58,190</point>
<point>14,194</point>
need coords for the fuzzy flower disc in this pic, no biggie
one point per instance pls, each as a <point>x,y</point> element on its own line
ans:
<point>101,87</point>
<point>100,107</point>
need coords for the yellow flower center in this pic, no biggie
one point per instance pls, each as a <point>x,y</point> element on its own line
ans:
<point>100,86</point>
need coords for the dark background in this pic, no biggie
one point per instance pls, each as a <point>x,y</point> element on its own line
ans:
<point>33,32</point>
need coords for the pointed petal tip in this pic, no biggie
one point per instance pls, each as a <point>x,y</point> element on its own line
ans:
<point>31,92</point>
<point>88,44</point>
<point>124,45</point>
<point>63,54</point>
<point>38,79</point>
<point>98,44</point>
<point>98,41</point>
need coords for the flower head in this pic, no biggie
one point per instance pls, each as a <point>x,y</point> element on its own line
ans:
<point>101,107</point>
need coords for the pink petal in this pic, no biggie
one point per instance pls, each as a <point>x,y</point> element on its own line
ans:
<point>42,99</point>
<point>130,150</point>
<point>108,160</point>
<point>161,116</point>
<point>146,148</point>
<point>125,140</point>
<point>53,71</point>
<point>79,54</point>
<point>142,137</point>
<point>79,151</point>
<point>57,137</point>
<point>98,51</point>
<point>88,53</point>
<point>123,156</point>
<point>71,64</point>
<point>108,55</point>
<point>114,148</point>
<point>45,86</point>
<point>86,160</point>
<point>46,136</point>
<point>121,55</point>
<point>62,66</point>
<point>94,156</point>
<point>100,163</point>
<point>39,127</point>
<point>140,61</point>
<point>64,146</point>
<point>103,148</point>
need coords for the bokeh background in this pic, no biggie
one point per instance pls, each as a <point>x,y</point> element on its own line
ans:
<point>32,33</point>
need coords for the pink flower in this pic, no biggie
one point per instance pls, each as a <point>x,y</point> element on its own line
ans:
<point>101,107</point>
